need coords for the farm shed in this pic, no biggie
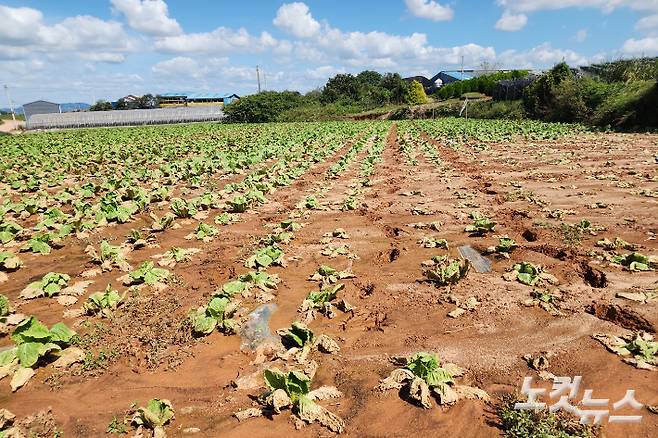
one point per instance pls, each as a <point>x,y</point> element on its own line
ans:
<point>39,107</point>
<point>195,99</point>
<point>172,99</point>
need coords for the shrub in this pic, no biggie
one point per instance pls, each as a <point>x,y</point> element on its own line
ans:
<point>558,96</point>
<point>539,98</point>
<point>630,105</point>
<point>595,92</point>
<point>512,110</point>
<point>625,70</point>
<point>319,112</point>
<point>401,113</point>
<point>417,94</point>
<point>567,103</point>
<point>262,107</point>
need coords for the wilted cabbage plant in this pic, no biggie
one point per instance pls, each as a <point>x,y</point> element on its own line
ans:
<point>292,390</point>
<point>423,376</point>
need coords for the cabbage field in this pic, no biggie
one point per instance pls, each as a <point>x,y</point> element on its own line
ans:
<point>368,279</point>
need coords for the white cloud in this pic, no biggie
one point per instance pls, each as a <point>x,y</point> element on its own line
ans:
<point>543,55</point>
<point>373,49</point>
<point>580,36</point>
<point>83,33</point>
<point>648,24</point>
<point>324,72</point>
<point>13,53</point>
<point>429,9</point>
<point>23,34</point>
<point>18,25</point>
<point>642,47</point>
<point>183,67</point>
<point>511,22</point>
<point>110,58</point>
<point>148,16</point>
<point>220,41</point>
<point>64,81</point>
<point>21,67</point>
<point>180,65</point>
<point>296,19</point>
<point>520,8</point>
<point>240,72</point>
<point>604,5</point>
<point>215,74</point>
<point>283,47</point>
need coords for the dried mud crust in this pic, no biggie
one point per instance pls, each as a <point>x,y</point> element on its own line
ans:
<point>151,331</point>
<point>394,312</point>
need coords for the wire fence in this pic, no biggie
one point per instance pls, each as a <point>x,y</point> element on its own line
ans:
<point>125,117</point>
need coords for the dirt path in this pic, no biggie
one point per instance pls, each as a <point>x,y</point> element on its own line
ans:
<point>10,125</point>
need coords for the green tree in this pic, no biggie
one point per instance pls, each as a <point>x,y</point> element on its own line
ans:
<point>416,94</point>
<point>121,104</point>
<point>101,105</point>
<point>313,96</point>
<point>147,101</point>
<point>369,77</point>
<point>262,107</point>
<point>567,103</point>
<point>342,86</point>
<point>539,98</point>
<point>396,86</point>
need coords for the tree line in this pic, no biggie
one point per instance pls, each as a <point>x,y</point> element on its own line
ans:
<point>344,93</point>
<point>484,84</point>
<point>620,94</point>
<point>147,101</point>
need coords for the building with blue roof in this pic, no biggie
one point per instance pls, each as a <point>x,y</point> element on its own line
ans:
<point>195,99</point>
<point>442,78</point>
<point>449,76</point>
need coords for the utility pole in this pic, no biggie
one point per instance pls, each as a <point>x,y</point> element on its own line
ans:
<point>11,105</point>
<point>258,77</point>
<point>462,78</point>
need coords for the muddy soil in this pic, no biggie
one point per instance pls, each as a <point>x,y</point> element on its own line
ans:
<point>536,193</point>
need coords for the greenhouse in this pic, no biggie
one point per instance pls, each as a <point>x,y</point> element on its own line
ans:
<point>125,117</point>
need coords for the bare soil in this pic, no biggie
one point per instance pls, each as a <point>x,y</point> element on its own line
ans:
<point>148,352</point>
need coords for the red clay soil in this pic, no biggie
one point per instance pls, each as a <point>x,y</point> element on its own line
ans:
<point>150,354</point>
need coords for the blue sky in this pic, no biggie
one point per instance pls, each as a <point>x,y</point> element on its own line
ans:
<point>75,50</point>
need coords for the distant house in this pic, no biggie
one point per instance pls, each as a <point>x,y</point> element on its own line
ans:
<point>428,85</point>
<point>125,100</point>
<point>195,99</point>
<point>39,107</point>
<point>450,76</point>
<point>130,98</point>
<point>441,78</point>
